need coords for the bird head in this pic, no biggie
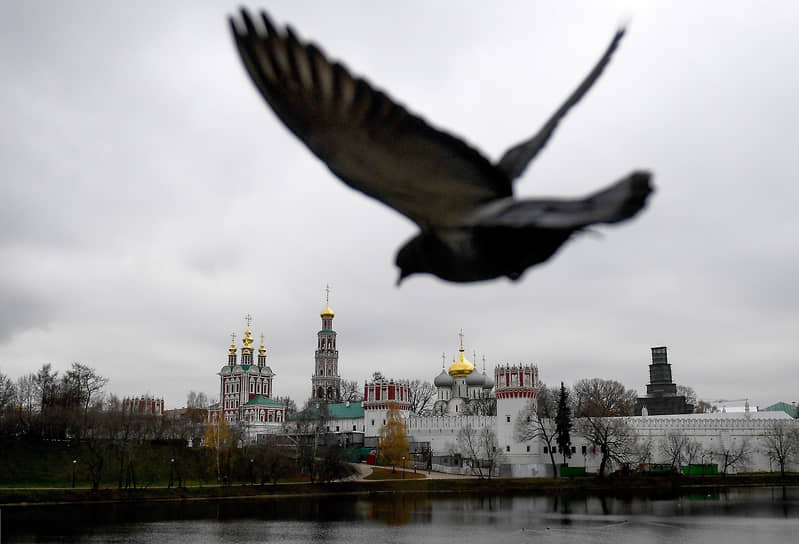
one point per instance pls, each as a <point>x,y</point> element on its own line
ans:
<point>410,258</point>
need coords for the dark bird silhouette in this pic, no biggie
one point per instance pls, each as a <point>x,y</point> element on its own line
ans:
<point>471,226</point>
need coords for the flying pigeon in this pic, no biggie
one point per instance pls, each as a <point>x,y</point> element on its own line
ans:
<point>472,228</point>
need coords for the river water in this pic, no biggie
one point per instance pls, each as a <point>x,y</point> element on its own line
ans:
<point>753,515</point>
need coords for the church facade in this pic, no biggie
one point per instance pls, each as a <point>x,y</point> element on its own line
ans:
<point>245,389</point>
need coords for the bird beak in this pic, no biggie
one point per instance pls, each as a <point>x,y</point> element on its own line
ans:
<point>402,276</point>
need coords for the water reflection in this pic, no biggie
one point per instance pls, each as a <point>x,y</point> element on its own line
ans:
<point>735,515</point>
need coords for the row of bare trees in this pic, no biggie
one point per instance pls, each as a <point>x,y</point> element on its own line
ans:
<point>42,404</point>
<point>599,407</point>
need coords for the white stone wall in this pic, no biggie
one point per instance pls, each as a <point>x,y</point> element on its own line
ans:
<point>713,431</point>
<point>345,425</point>
<point>528,459</point>
<point>716,432</point>
<point>442,431</point>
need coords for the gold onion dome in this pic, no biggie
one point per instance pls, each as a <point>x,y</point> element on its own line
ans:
<point>327,313</point>
<point>461,368</point>
<point>248,340</point>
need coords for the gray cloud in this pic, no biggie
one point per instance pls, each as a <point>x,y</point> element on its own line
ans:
<point>150,199</point>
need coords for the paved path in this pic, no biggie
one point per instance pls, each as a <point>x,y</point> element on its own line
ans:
<point>365,470</point>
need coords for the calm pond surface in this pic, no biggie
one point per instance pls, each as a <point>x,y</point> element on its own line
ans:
<point>732,516</point>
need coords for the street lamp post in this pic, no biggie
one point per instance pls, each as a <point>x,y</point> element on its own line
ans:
<point>403,467</point>
<point>252,473</point>
<point>171,471</point>
<point>74,467</point>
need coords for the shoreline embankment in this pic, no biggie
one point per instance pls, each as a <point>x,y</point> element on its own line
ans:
<point>650,487</point>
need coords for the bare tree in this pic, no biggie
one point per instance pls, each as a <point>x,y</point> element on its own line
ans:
<point>596,397</point>
<point>537,422</point>
<point>26,394</point>
<point>732,456</point>
<point>688,393</point>
<point>480,446</point>
<point>86,382</point>
<point>704,407</point>
<point>272,460</point>
<point>8,394</point>
<point>46,384</point>
<point>782,443</point>
<point>197,400</point>
<point>693,450</point>
<point>351,391</point>
<point>673,447</point>
<point>615,439</point>
<point>308,429</point>
<point>601,405</point>
<point>422,394</point>
<point>493,453</point>
<point>7,391</point>
<point>289,405</point>
<point>481,406</point>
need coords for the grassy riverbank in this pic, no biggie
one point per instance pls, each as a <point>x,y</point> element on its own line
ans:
<point>650,487</point>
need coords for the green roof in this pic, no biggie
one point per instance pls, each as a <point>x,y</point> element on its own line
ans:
<point>789,409</point>
<point>335,410</point>
<point>260,400</point>
<point>340,410</point>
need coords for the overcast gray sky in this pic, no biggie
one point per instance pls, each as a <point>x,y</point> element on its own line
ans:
<point>150,200</point>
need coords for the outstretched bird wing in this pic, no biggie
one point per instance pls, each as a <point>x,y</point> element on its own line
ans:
<point>516,159</point>
<point>618,202</point>
<point>369,141</point>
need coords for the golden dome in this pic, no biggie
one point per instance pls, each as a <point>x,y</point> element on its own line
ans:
<point>248,340</point>
<point>461,368</point>
<point>327,313</point>
<point>232,349</point>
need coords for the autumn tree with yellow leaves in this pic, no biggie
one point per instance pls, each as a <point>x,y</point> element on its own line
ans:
<point>220,440</point>
<point>393,441</point>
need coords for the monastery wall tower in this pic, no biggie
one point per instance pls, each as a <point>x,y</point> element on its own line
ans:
<point>377,396</point>
<point>326,382</point>
<point>515,386</point>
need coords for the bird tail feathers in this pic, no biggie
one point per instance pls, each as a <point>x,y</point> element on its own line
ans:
<point>622,200</point>
<point>619,202</point>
